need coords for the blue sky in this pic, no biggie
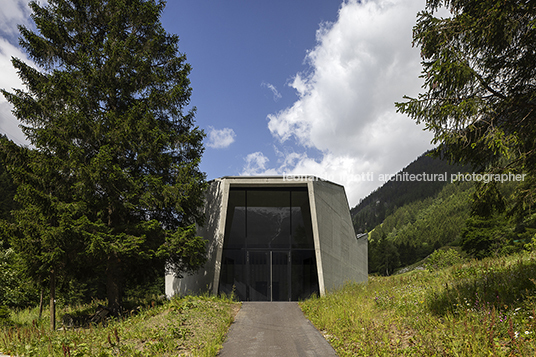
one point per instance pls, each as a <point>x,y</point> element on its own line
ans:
<point>287,87</point>
<point>243,54</point>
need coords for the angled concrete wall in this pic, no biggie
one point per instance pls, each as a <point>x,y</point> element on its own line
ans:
<point>212,232</point>
<point>341,257</point>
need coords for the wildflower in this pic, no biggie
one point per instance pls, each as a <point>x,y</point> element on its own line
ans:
<point>527,332</point>
<point>516,334</point>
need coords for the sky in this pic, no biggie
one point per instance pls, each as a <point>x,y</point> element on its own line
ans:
<point>286,87</point>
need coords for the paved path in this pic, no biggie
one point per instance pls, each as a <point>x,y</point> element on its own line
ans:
<point>275,329</point>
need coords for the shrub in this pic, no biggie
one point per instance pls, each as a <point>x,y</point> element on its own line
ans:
<point>531,247</point>
<point>16,290</point>
<point>4,315</point>
<point>442,259</point>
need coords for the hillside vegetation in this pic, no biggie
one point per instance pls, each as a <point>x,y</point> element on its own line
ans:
<point>473,308</point>
<point>415,230</point>
<point>409,220</point>
<point>373,209</point>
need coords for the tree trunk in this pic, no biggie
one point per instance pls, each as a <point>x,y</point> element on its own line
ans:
<point>114,279</point>
<point>53,300</point>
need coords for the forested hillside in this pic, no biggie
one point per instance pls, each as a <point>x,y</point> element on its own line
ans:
<point>409,220</point>
<point>415,230</point>
<point>372,210</point>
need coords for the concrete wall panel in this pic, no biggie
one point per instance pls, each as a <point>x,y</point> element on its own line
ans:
<point>338,243</point>
<point>211,231</point>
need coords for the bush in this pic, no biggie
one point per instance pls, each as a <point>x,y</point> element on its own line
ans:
<point>531,247</point>
<point>441,259</point>
<point>4,315</point>
<point>16,290</point>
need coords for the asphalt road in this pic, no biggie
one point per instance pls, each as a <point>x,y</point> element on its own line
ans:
<point>278,329</point>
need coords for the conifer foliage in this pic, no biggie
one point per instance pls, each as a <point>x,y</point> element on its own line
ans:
<point>479,95</point>
<point>111,178</point>
<point>479,100</point>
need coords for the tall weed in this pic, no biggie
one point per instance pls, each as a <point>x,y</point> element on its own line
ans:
<point>477,308</point>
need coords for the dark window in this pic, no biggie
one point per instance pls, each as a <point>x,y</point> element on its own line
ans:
<point>235,227</point>
<point>268,245</point>
<point>268,219</point>
<point>302,230</point>
<point>304,275</point>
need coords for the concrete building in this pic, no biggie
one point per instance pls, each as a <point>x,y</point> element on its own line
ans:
<point>276,239</point>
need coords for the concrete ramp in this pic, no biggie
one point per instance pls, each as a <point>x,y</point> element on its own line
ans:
<point>274,329</point>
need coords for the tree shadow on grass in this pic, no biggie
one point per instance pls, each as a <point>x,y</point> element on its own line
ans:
<point>483,286</point>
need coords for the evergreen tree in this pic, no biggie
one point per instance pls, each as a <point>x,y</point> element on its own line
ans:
<point>383,256</point>
<point>487,230</point>
<point>389,258</point>
<point>485,236</point>
<point>113,172</point>
<point>480,86</point>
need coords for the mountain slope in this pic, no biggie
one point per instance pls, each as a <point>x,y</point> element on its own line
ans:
<point>416,229</point>
<point>399,191</point>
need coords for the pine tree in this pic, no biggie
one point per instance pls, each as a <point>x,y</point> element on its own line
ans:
<point>113,176</point>
<point>479,95</point>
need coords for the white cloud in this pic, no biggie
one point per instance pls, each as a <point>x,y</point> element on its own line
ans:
<point>362,64</point>
<point>256,165</point>
<point>8,80</point>
<point>14,12</point>
<point>274,90</point>
<point>220,138</point>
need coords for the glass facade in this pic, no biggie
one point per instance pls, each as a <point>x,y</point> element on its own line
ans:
<point>268,252</point>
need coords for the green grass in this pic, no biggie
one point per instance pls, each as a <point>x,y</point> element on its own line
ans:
<point>477,308</point>
<point>190,326</point>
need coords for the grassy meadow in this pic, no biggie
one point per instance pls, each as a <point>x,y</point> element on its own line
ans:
<point>473,308</point>
<point>476,308</point>
<point>189,326</point>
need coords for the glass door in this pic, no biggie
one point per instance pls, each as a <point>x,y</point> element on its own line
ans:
<point>269,276</point>
<point>280,276</point>
<point>258,288</point>
<point>268,251</point>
